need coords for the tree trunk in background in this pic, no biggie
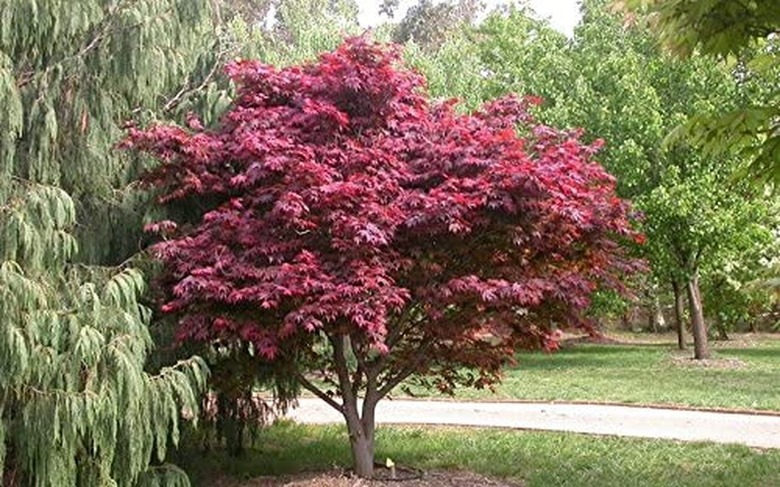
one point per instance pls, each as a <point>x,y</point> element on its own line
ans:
<point>655,315</point>
<point>651,324</point>
<point>701,348</point>
<point>659,321</point>
<point>752,324</point>
<point>721,327</point>
<point>679,313</point>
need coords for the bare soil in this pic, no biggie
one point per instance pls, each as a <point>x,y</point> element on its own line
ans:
<point>337,478</point>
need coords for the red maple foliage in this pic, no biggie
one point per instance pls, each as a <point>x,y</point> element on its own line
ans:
<point>346,215</point>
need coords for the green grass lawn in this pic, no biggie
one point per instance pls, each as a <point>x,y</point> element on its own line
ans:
<point>644,373</point>
<point>538,458</point>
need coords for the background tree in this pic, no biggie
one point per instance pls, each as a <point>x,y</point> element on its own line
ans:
<point>359,235</point>
<point>613,80</point>
<point>428,23</point>
<point>703,213</point>
<point>77,406</point>
<point>300,30</point>
<point>251,12</point>
<point>723,28</point>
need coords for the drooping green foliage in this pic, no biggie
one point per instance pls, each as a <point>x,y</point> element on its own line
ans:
<point>77,406</point>
<point>714,26</point>
<point>71,74</point>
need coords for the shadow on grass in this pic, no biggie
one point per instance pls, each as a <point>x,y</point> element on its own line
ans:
<point>616,345</point>
<point>285,448</point>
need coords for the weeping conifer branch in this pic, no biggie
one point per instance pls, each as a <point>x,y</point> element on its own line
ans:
<point>78,71</point>
<point>77,406</point>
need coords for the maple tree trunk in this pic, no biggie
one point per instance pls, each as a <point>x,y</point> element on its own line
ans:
<point>679,312</point>
<point>361,438</point>
<point>701,347</point>
<point>360,424</point>
<point>651,322</point>
<point>655,315</point>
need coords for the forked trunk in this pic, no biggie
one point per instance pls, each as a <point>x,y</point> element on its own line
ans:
<point>701,347</point>
<point>360,421</point>
<point>361,437</point>
<point>362,454</point>
<point>679,312</point>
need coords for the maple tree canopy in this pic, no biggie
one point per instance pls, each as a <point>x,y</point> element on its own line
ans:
<point>335,197</point>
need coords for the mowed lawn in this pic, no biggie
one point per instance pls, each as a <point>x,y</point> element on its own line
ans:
<point>745,375</point>
<point>534,458</point>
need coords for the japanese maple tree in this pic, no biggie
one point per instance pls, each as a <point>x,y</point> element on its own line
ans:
<point>353,229</point>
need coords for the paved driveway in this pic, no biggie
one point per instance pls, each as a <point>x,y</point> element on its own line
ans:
<point>748,429</point>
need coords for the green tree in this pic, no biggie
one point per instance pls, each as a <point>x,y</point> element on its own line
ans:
<point>428,24</point>
<point>300,30</point>
<point>77,405</point>
<point>694,216</point>
<point>614,81</point>
<point>729,29</point>
<point>250,11</point>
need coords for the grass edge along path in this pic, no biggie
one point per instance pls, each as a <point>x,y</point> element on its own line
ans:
<point>760,431</point>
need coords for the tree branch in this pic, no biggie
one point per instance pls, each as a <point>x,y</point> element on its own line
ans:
<point>393,337</point>
<point>185,90</point>
<point>362,368</point>
<point>342,371</point>
<point>309,386</point>
<point>90,45</point>
<point>391,383</point>
<point>404,373</point>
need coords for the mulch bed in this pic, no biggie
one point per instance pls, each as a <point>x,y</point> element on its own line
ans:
<point>337,478</point>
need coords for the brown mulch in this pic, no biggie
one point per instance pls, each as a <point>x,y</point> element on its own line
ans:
<point>336,478</point>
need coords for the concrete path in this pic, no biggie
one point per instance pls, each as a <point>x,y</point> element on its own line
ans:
<point>761,431</point>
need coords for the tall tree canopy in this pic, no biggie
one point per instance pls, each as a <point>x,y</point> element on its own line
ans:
<point>363,236</point>
<point>77,406</point>
<point>747,31</point>
<point>429,24</point>
<point>298,31</point>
